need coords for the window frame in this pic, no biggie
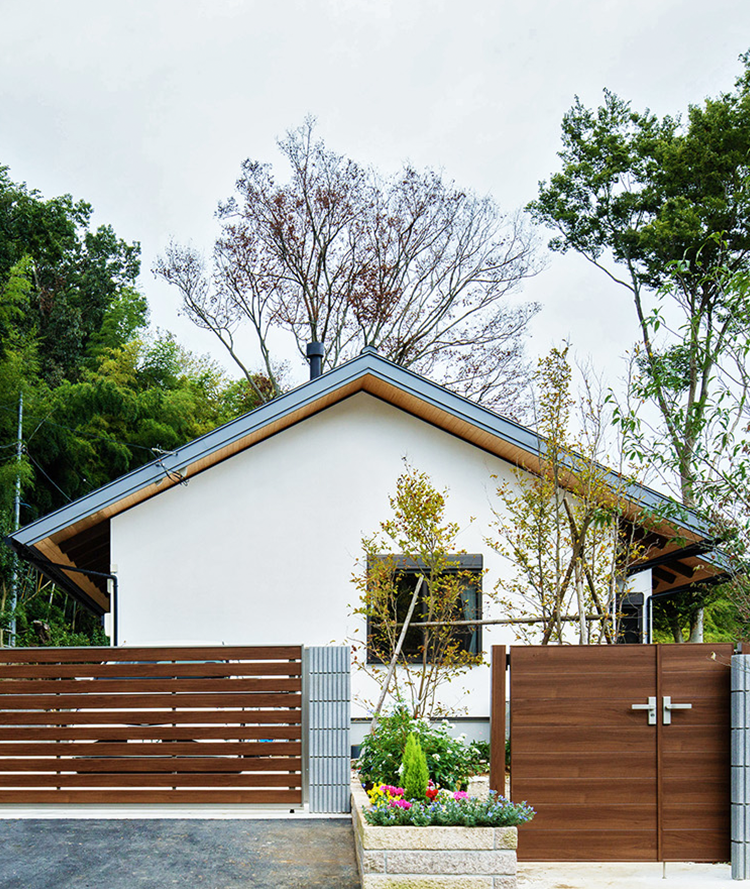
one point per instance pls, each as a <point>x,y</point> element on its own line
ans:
<point>472,563</point>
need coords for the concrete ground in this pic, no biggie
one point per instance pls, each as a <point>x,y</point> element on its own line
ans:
<point>568,875</point>
<point>189,854</point>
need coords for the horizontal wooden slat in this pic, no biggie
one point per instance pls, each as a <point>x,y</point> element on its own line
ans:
<point>256,779</point>
<point>153,748</point>
<point>148,797</point>
<point>148,733</point>
<point>288,716</point>
<point>186,653</point>
<point>133,686</point>
<point>154,701</point>
<point>152,764</point>
<point>125,669</point>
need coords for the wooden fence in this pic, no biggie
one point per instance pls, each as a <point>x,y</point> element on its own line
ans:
<point>151,725</point>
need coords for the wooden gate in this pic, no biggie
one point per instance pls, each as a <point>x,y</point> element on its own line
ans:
<point>623,751</point>
<point>151,725</point>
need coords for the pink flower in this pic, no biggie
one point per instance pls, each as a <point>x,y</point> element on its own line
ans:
<point>401,803</point>
<point>460,794</point>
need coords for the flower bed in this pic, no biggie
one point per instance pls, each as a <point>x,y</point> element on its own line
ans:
<point>431,857</point>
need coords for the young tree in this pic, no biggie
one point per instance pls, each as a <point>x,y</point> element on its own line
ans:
<point>344,256</point>
<point>416,545</point>
<point>560,525</point>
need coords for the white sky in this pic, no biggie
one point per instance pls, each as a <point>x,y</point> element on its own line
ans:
<point>146,109</point>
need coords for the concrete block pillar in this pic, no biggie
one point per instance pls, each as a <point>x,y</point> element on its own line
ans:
<point>740,767</point>
<point>328,690</point>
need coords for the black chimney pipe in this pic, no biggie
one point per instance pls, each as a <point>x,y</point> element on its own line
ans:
<point>315,352</point>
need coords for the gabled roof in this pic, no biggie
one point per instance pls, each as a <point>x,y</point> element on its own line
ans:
<point>77,535</point>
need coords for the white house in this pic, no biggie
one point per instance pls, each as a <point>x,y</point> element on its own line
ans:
<point>251,534</point>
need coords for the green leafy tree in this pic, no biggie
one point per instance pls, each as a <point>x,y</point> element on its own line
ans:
<point>100,393</point>
<point>662,207</point>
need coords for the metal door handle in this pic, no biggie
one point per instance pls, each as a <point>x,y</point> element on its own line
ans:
<point>668,706</point>
<point>651,707</point>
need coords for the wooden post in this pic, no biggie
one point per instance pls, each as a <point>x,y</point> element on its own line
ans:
<point>497,720</point>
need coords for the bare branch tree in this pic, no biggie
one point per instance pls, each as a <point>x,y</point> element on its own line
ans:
<point>341,255</point>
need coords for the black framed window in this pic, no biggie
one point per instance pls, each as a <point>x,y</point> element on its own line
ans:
<point>469,568</point>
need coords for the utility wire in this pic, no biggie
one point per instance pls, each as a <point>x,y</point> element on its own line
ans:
<point>51,481</point>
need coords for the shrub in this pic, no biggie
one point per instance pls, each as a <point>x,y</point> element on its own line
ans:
<point>415,775</point>
<point>449,810</point>
<point>450,762</point>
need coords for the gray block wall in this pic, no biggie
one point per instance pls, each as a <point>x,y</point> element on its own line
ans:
<point>328,718</point>
<point>740,767</point>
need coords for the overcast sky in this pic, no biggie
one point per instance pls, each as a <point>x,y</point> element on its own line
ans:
<point>146,109</point>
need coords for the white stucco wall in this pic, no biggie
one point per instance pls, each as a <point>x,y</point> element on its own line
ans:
<point>261,548</point>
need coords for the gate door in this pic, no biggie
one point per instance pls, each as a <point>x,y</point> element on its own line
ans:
<point>613,764</point>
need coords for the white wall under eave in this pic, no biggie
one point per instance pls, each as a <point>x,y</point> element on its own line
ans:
<point>261,548</point>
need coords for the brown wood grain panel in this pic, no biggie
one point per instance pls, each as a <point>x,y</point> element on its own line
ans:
<point>598,686</point>
<point>153,748</point>
<point>145,797</point>
<point>572,764</point>
<point>689,656</point>
<point>688,686</point>
<point>539,712</point>
<point>154,701</point>
<point>695,738</point>
<point>147,686</point>
<point>164,764</point>
<point>585,791</point>
<point>288,780</point>
<point>687,791</point>
<point>288,716</point>
<point>150,733</point>
<point>617,816</point>
<point>125,669</point>
<point>696,845</point>
<point>185,653</point>
<point>710,764</point>
<point>586,738</point>
<point>621,659</point>
<point>585,845</point>
<point>715,813</point>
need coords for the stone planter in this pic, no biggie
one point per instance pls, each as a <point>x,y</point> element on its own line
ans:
<point>432,857</point>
